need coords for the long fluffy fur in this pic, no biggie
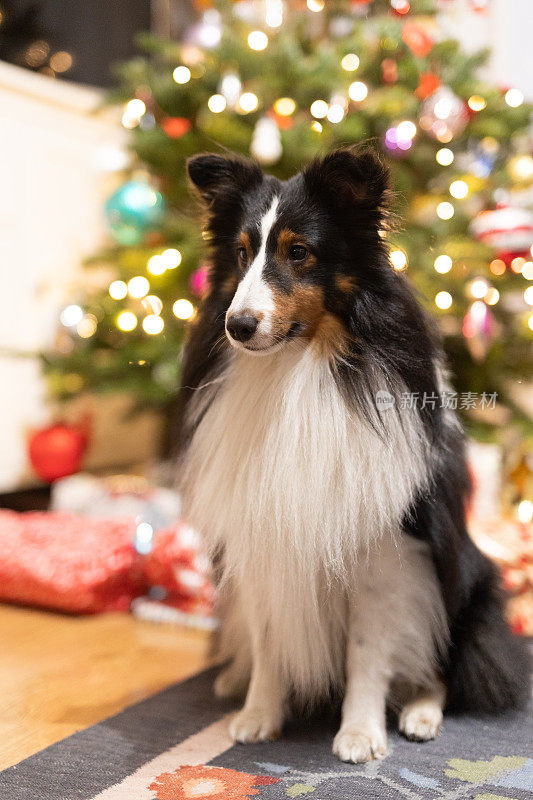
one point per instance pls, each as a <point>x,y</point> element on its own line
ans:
<point>280,495</point>
<point>306,494</point>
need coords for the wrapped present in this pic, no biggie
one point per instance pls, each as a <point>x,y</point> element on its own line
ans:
<point>67,562</point>
<point>178,564</point>
<point>79,564</point>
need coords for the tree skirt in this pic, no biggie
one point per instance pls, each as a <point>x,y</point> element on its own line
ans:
<point>175,746</point>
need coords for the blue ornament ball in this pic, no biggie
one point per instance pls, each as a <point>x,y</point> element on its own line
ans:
<point>132,210</point>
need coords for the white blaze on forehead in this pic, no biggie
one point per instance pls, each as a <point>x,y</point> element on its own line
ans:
<point>253,294</point>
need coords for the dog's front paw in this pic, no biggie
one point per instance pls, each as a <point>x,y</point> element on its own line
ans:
<point>358,744</point>
<point>255,725</point>
<point>421,721</point>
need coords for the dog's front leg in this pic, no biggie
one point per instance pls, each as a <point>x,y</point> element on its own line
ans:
<point>262,717</point>
<point>362,735</point>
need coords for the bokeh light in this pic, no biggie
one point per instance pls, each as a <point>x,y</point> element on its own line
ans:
<point>126,321</point>
<point>443,300</point>
<point>443,264</point>
<point>183,309</point>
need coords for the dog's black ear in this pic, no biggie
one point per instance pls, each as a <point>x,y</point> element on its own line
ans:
<point>351,176</point>
<point>211,174</point>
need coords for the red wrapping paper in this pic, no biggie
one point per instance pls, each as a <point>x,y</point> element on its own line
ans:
<point>66,562</point>
<point>80,564</point>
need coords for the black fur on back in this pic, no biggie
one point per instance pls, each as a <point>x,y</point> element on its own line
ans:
<point>339,201</point>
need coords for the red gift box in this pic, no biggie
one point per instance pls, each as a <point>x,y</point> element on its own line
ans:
<point>80,564</point>
<point>67,562</point>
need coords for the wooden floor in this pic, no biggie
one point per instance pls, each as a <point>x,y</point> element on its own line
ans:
<point>60,674</point>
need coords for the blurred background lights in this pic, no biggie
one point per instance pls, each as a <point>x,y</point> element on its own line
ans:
<point>118,290</point>
<point>156,265</point>
<point>37,53</point>
<point>61,61</point>
<point>479,288</point>
<point>478,311</point>
<point>126,321</point>
<point>477,103</point>
<point>209,32</point>
<point>216,103</point>
<point>138,286</point>
<point>492,296</point>
<point>257,40</point>
<point>315,5</point>
<point>497,267</point>
<point>530,323</point>
<point>248,102</point>
<point>285,106</point>
<point>445,210</point>
<point>350,62</point>
<point>153,324</point>
<point>335,113</point>
<point>135,108</point>
<point>521,168</point>
<point>444,107</point>
<point>183,309</point>
<point>525,511</point>
<point>459,190</point>
<point>528,295</point>
<point>358,91</point>
<point>152,304</point>
<point>319,109</point>
<point>527,271</point>
<point>316,127</point>
<point>443,300</point>
<point>400,6</point>
<point>274,13</point>
<point>517,264</point>
<point>87,326</point>
<point>406,130</point>
<point>443,264</point>
<point>230,87</point>
<point>444,157</point>
<point>399,138</point>
<point>514,98</point>
<point>182,74</point>
<point>171,258</point>
<point>71,315</point>
<point>398,259</point>
<point>144,538</point>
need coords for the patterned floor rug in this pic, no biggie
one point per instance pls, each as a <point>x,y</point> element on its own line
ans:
<point>174,746</point>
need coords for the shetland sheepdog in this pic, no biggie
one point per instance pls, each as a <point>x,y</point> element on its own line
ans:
<point>333,508</point>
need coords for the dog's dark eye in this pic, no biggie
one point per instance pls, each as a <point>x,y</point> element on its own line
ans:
<point>297,252</point>
<point>242,254</point>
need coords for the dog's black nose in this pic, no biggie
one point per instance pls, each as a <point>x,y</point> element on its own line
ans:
<point>242,328</point>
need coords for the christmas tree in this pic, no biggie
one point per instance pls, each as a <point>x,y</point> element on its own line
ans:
<point>283,82</point>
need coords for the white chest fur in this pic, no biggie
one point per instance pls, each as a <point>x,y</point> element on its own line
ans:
<point>297,492</point>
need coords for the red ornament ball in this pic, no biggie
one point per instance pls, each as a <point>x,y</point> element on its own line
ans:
<point>57,451</point>
<point>176,127</point>
<point>427,84</point>
<point>389,70</point>
<point>418,39</point>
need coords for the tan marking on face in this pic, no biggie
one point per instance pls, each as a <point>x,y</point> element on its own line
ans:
<point>286,239</point>
<point>345,284</point>
<point>305,305</point>
<point>331,337</point>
